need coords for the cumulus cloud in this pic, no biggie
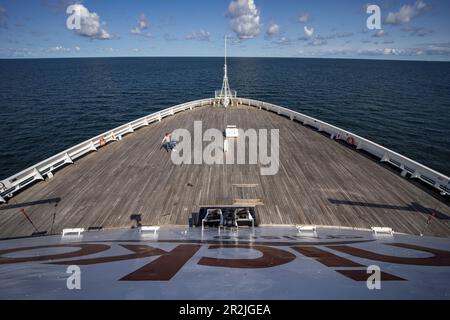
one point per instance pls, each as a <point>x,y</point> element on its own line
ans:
<point>337,35</point>
<point>90,24</point>
<point>77,48</point>
<point>308,32</point>
<point>406,13</point>
<point>304,18</point>
<point>420,52</point>
<point>417,31</point>
<point>318,42</point>
<point>379,34</point>
<point>273,29</point>
<point>426,50</point>
<point>245,18</point>
<point>59,49</point>
<point>200,35</point>
<point>16,52</point>
<point>283,41</point>
<point>442,49</point>
<point>141,26</point>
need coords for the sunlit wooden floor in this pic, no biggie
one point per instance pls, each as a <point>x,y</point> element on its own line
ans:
<point>320,181</point>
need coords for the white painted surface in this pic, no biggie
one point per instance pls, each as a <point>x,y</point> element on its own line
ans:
<point>302,278</point>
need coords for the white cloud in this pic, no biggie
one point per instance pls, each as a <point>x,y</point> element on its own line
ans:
<point>308,32</point>
<point>273,29</point>
<point>142,25</point>
<point>379,34</point>
<point>90,24</point>
<point>390,51</point>
<point>283,41</point>
<point>417,31</point>
<point>77,48</point>
<point>16,52</point>
<point>318,42</point>
<point>428,50</point>
<point>304,18</point>
<point>406,13</point>
<point>433,51</point>
<point>200,35</point>
<point>245,18</point>
<point>59,49</point>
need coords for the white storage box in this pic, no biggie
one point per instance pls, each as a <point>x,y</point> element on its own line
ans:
<point>231,132</point>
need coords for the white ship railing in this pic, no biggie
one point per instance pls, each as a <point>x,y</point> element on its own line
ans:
<point>46,168</point>
<point>19,181</point>
<point>407,166</point>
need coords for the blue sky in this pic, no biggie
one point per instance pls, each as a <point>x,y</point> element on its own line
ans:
<point>413,30</point>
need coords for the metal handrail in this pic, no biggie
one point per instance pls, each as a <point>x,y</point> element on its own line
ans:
<point>19,181</point>
<point>407,166</point>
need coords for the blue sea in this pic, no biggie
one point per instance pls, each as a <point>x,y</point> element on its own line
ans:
<point>48,105</point>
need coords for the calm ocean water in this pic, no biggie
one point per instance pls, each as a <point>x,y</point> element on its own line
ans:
<point>47,106</point>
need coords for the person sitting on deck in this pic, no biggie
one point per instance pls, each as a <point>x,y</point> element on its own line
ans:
<point>167,143</point>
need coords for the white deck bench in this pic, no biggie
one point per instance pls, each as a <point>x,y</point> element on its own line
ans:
<point>153,229</point>
<point>382,230</point>
<point>306,228</point>
<point>77,231</point>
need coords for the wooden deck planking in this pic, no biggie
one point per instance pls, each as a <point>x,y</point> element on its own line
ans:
<point>134,176</point>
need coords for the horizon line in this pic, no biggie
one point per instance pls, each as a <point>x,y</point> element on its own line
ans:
<point>221,57</point>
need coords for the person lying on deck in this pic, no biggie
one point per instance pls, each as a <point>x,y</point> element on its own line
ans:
<point>167,143</point>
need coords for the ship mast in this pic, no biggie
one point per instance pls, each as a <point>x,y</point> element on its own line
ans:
<point>225,97</point>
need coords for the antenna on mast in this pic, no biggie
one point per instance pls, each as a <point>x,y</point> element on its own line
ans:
<point>225,51</point>
<point>225,96</point>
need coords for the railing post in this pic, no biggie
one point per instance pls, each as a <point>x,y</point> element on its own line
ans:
<point>67,159</point>
<point>38,175</point>
<point>92,146</point>
<point>385,158</point>
<point>2,200</point>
